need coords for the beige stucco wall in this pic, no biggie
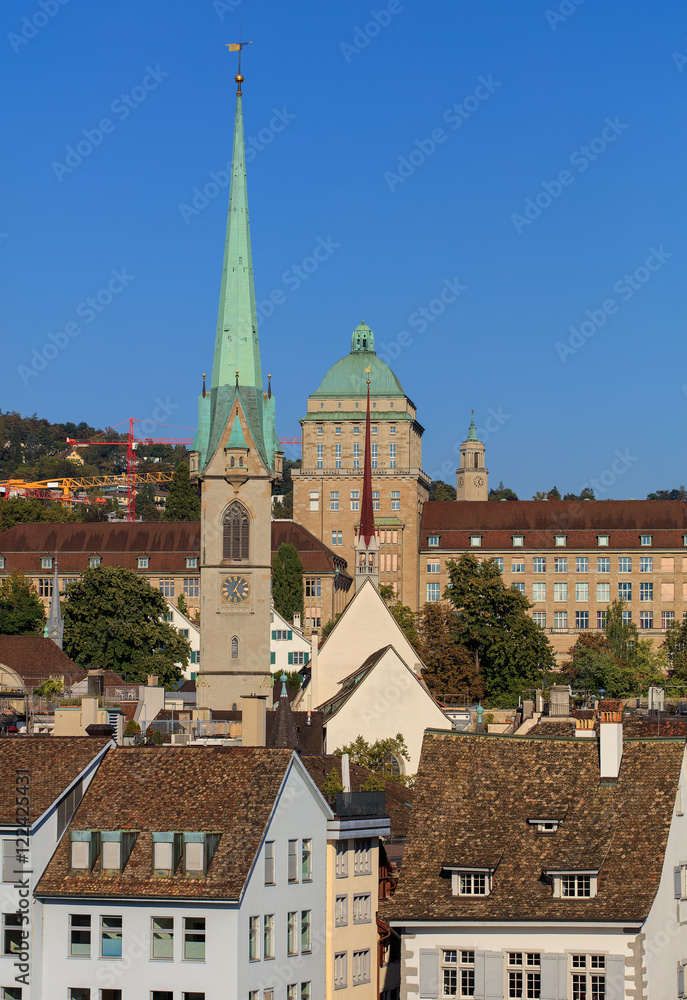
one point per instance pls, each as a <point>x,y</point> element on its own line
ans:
<point>353,936</point>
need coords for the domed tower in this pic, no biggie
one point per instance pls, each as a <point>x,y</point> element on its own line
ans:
<point>328,488</point>
<point>471,482</point>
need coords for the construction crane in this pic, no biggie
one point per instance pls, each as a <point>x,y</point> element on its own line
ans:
<point>132,444</point>
<point>64,490</point>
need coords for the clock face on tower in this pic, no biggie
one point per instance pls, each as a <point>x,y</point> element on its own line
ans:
<point>235,589</point>
<point>478,481</point>
<point>460,482</point>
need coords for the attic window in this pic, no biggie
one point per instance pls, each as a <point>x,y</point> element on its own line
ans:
<point>574,885</point>
<point>191,562</point>
<point>93,561</point>
<point>545,825</point>
<point>602,540</point>
<point>2,562</point>
<point>143,562</point>
<point>561,540</point>
<point>46,562</point>
<point>475,541</point>
<point>199,850</point>
<point>469,881</point>
<point>518,541</point>
<point>115,848</point>
<point>433,541</point>
<point>84,847</point>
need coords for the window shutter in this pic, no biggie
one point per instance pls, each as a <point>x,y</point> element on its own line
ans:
<point>290,659</point>
<point>479,973</point>
<point>677,879</point>
<point>615,977</point>
<point>273,659</point>
<point>493,975</point>
<point>307,658</point>
<point>289,635</point>
<point>274,633</point>
<point>549,977</point>
<point>429,973</point>
<point>680,980</point>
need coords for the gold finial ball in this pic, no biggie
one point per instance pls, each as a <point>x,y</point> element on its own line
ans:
<point>239,78</point>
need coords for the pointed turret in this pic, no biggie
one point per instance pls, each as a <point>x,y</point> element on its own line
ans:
<point>284,734</point>
<point>54,627</point>
<point>367,544</point>
<point>472,430</point>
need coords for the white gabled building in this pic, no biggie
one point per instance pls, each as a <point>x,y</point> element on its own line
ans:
<point>194,873</point>
<point>191,631</point>
<point>545,868</point>
<point>43,781</point>
<point>289,649</point>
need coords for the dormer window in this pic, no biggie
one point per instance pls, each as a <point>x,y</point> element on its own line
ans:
<point>143,562</point>
<point>469,881</point>
<point>199,850</point>
<point>84,847</point>
<point>645,539</point>
<point>2,562</point>
<point>475,541</point>
<point>545,825</point>
<point>433,541</point>
<point>518,541</point>
<point>166,853</point>
<point>574,885</point>
<point>115,848</point>
<point>46,562</point>
<point>602,541</point>
<point>94,561</point>
<point>561,541</point>
<point>191,562</point>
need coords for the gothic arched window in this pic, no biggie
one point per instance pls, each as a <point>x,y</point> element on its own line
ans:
<point>234,648</point>
<point>236,532</point>
<point>476,461</point>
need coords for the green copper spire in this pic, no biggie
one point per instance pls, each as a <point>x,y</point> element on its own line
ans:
<point>237,440</point>
<point>236,341</point>
<point>472,433</point>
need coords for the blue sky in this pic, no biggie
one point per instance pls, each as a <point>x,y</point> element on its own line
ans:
<point>530,156</point>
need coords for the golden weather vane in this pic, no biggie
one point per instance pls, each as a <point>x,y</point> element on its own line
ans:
<point>237,47</point>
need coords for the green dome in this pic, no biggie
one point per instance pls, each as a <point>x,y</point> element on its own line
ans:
<point>348,376</point>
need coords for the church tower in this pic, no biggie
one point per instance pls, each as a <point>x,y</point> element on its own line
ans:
<point>471,482</point>
<point>367,544</point>
<point>235,458</point>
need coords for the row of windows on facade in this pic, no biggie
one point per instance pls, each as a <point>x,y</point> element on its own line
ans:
<point>110,931</point>
<point>522,974</point>
<point>561,564</point>
<point>190,585</point>
<point>85,993</point>
<point>603,591</point>
<point>362,857</point>
<point>174,853</point>
<point>356,427</point>
<point>47,562</point>
<point>335,500</point>
<point>374,457</point>
<point>565,886</point>
<point>360,968</point>
<point>262,935</point>
<point>560,541</point>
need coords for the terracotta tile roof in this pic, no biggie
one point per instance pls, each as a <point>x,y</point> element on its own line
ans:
<point>35,659</point>
<point>399,800</point>
<point>539,521</point>
<point>214,789</point>
<point>53,763</point>
<point>473,799</point>
<point>309,726</point>
<point>563,729</point>
<point>166,543</point>
<point>651,725</point>
<point>315,555</point>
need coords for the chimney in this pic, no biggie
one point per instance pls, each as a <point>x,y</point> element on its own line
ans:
<point>346,772</point>
<point>254,720</point>
<point>610,745</point>
<point>296,619</point>
<point>314,669</point>
<point>152,680</point>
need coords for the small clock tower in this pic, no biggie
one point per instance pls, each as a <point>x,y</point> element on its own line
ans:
<point>235,458</point>
<point>471,477</point>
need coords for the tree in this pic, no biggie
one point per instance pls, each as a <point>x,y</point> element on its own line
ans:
<point>449,666</point>
<point>405,618</point>
<point>328,626</point>
<point>282,509</point>
<point>29,510</point>
<point>332,786</point>
<point>113,618</point>
<point>678,494</point>
<point>21,611</point>
<point>132,728</point>
<point>287,581</point>
<point>553,494</point>
<point>182,605</point>
<point>586,494</point>
<point>492,622</point>
<point>502,493</point>
<point>293,680</point>
<point>439,490</point>
<point>381,757</point>
<point>183,502</point>
<point>146,508</point>
<point>49,688</point>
